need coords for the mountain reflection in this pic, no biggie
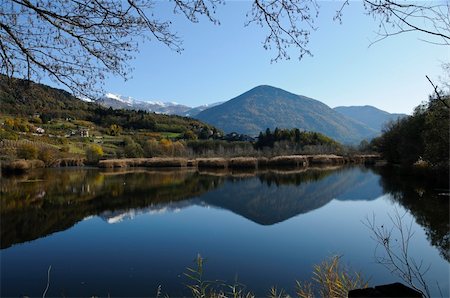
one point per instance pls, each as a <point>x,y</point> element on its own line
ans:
<point>51,200</point>
<point>274,197</point>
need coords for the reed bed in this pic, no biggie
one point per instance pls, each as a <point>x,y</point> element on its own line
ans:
<point>155,162</point>
<point>191,163</point>
<point>68,162</point>
<point>296,161</point>
<point>165,162</point>
<point>262,162</point>
<point>113,163</point>
<point>215,162</point>
<point>22,165</point>
<point>325,159</point>
<point>288,161</point>
<point>243,162</point>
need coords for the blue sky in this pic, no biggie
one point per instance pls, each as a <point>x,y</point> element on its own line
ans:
<point>221,62</point>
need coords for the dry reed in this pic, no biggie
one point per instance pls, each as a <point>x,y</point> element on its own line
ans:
<point>22,165</point>
<point>243,162</point>
<point>288,161</point>
<point>215,162</point>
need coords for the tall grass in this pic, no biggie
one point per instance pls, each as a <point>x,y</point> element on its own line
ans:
<point>329,279</point>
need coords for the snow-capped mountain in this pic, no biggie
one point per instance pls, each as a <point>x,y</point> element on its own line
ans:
<point>116,101</point>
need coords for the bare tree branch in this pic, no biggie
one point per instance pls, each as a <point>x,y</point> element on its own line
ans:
<point>395,17</point>
<point>78,43</point>
<point>284,19</point>
<point>436,90</point>
<point>394,255</point>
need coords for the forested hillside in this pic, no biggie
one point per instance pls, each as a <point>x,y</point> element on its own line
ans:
<point>23,98</point>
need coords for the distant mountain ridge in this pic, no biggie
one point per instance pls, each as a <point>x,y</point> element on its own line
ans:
<point>270,107</point>
<point>369,115</point>
<point>116,101</point>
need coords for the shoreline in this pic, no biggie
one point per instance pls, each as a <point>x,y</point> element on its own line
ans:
<point>283,161</point>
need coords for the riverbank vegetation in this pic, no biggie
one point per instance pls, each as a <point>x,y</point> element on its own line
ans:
<point>420,140</point>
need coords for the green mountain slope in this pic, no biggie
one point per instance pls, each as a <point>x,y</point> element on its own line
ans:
<point>269,107</point>
<point>369,116</point>
<point>24,99</point>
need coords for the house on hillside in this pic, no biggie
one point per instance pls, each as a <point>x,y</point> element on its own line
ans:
<point>84,132</point>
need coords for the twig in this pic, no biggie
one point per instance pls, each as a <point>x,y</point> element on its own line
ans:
<point>48,281</point>
<point>437,93</point>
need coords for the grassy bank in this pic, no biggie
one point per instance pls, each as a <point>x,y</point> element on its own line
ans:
<point>285,161</point>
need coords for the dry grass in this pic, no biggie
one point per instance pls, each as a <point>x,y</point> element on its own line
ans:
<point>288,161</point>
<point>262,162</point>
<point>331,279</point>
<point>328,159</point>
<point>215,162</point>
<point>155,162</point>
<point>297,161</point>
<point>22,165</point>
<point>162,162</point>
<point>113,163</point>
<point>68,162</point>
<point>243,162</point>
<point>191,163</point>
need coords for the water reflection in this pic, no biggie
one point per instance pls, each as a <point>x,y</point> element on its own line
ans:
<point>427,198</point>
<point>46,201</point>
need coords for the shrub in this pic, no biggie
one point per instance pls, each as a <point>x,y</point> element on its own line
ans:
<point>27,151</point>
<point>189,135</point>
<point>94,153</point>
<point>47,155</point>
<point>152,148</point>
<point>65,148</point>
<point>133,149</point>
<point>114,130</point>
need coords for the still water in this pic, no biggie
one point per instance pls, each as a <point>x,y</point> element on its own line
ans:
<point>125,233</point>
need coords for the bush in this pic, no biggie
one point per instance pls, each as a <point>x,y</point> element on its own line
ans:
<point>27,151</point>
<point>133,149</point>
<point>65,148</point>
<point>114,130</point>
<point>151,148</point>
<point>94,153</point>
<point>47,155</point>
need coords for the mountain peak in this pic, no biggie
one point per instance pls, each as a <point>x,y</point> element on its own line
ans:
<point>265,106</point>
<point>267,89</point>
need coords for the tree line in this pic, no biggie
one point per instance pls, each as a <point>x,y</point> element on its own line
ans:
<point>421,139</point>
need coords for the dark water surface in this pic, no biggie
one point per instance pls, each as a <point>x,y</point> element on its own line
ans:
<point>125,233</point>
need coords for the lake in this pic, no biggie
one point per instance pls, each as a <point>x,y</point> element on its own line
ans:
<point>125,233</point>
